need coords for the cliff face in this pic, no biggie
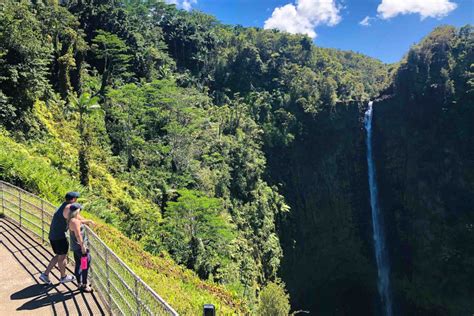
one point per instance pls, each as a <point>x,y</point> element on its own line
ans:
<point>425,175</point>
<point>424,151</point>
<point>327,238</point>
<point>426,189</point>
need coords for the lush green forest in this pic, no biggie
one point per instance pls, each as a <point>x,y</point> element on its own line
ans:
<point>238,153</point>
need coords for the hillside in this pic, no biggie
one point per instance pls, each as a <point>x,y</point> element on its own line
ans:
<point>423,141</point>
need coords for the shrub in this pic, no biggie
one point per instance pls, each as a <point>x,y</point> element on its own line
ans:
<point>273,300</point>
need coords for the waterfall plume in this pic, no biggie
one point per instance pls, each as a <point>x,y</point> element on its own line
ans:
<point>383,266</point>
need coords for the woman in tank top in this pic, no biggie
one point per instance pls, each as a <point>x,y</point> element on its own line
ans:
<point>79,241</point>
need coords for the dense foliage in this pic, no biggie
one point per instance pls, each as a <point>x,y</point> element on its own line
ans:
<point>180,287</point>
<point>273,301</point>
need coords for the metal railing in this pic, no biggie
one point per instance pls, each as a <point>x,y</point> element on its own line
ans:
<point>120,289</point>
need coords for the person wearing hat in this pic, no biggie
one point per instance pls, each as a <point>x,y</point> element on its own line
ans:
<point>58,239</point>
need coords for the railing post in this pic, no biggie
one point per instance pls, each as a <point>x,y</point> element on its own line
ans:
<point>19,204</point>
<point>42,221</point>
<point>136,296</point>
<point>3,198</point>
<point>107,273</point>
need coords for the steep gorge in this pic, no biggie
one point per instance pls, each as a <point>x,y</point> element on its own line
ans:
<point>327,238</point>
<point>424,149</point>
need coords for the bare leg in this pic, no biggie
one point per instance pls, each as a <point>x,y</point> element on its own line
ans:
<point>62,265</point>
<point>51,265</point>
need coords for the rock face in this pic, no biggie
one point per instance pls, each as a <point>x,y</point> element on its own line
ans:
<point>425,174</point>
<point>328,262</point>
<point>426,191</point>
<point>424,151</point>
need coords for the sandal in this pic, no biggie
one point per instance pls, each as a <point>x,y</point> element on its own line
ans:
<point>86,288</point>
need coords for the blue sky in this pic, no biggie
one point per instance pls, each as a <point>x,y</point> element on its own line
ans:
<point>392,30</point>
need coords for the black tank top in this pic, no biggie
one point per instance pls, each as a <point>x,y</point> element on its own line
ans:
<point>58,227</point>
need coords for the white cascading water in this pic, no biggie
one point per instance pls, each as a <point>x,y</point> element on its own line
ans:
<point>383,267</point>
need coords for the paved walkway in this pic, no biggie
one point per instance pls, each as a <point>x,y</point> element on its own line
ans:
<point>22,259</point>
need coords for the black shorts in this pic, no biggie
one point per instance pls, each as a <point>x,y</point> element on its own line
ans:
<point>60,247</point>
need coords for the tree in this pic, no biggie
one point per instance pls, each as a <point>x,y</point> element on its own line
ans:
<point>25,56</point>
<point>115,57</point>
<point>69,46</point>
<point>84,105</point>
<point>126,114</point>
<point>273,300</point>
<point>199,232</point>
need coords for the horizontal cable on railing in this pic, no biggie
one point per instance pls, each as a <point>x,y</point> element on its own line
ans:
<point>13,203</point>
<point>119,277</point>
<point>46,203</point>
<point>133,273</point>
<point>24,210</point>
<point>140,302</point>
<point>113,300</point>
<point>103,274</point>
<point>30,213</point>
<point>32,205</point>
<point>24,218</point>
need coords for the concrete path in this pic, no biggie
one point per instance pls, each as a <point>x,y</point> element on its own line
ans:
<point>22,259</point>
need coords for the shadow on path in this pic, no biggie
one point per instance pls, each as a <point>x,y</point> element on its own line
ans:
<point>33,257</point>
<point>32,291</point>
<point>45,299</point>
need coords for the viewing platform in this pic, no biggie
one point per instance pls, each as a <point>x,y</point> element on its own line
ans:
<point>25,253</point>
<point>23,258</point>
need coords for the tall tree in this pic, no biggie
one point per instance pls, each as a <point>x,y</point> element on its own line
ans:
<point>84,105</point>
<point>115,57</point>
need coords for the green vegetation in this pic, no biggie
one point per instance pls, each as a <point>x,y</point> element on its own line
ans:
<point>273,301</point>
<point>231,155</point>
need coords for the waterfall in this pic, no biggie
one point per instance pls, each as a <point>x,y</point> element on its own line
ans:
<point>383,268</point>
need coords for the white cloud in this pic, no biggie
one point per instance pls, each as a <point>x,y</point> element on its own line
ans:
<point>303,16</point>
<point>366,21</point>
<point>187,4</point>
<point>425,8</point>
<point>183,4</point>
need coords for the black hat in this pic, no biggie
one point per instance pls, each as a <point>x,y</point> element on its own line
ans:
<point>72,195</point>
<point>75,206</point>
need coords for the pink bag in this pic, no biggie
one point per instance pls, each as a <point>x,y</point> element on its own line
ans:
<point>84,262</point>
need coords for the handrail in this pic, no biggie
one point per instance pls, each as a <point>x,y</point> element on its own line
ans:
<point>133,294</point>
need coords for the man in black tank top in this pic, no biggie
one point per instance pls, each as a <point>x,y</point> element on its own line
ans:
<point>58,239</point>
